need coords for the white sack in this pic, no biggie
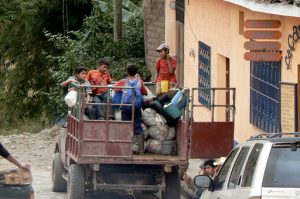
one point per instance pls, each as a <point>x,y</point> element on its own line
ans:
<point>153,146</point>
<point>149,117</point>
<point>71,98</point>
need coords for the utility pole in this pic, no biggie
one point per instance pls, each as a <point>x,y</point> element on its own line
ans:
<point>117,20</point>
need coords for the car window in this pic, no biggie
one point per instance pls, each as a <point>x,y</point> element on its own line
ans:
<point>221,177</point>
<point>238,165</point>
<point>251,165</point>
<point>283,168</point>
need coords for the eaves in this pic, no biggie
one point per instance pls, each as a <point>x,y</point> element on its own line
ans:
<point>270,8</point>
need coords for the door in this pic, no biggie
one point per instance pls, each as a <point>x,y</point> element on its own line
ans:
<point>298,99</point>
<point>180,53</point>
<point>223,96</point>
<point>245,180</point>
<point>221,191</point>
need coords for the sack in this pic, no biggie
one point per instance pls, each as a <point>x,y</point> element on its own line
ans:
<point>71,98</point>
<point>153,146</point>
<point>149,117</point>
<point>130,95</point>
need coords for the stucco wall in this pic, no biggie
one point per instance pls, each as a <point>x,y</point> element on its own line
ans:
<point>216,23</point>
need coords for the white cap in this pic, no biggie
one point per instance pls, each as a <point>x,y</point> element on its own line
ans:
<point>220,162</point>
<point>162,46</point>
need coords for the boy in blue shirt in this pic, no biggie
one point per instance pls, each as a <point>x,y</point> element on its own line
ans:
<point>134,81</point>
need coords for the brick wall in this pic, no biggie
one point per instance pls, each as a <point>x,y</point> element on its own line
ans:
<point>154,26</point>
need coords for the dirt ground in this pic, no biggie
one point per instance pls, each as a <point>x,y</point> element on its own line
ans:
<point>37,151</point>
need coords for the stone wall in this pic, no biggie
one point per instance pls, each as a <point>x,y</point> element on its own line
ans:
<point>154,27</point>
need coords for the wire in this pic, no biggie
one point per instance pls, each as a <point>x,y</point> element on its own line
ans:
<point>67,16</point>
<point>63,17</point>
<point>189,21</point>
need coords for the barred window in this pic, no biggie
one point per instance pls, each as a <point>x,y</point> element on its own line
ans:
<point>264,95</point>
<point>204,74</point>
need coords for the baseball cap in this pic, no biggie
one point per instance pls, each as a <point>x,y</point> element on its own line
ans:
<point>220,162</point>
<point>162,46</point>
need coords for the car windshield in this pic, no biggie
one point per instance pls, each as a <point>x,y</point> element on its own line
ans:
<point>283,167</point>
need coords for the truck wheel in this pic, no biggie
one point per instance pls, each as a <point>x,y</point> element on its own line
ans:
<point>172,185</point>
<point>59,184</point>
<point>76,179</point>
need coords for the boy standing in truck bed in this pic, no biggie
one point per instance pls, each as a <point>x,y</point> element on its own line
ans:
<point>138,90</point>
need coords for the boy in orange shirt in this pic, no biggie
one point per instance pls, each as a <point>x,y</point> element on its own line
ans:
<point>100,77</point>
<point>165,68</point>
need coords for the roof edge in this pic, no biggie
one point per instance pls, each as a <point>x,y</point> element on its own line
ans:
<point>275,9</point>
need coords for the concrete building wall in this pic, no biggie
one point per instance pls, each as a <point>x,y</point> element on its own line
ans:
<point>217,24</point>
<point>170,27</point>
<point>154,26</point>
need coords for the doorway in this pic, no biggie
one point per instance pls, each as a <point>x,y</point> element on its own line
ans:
<point>223,81</point>
<point>298,98</point>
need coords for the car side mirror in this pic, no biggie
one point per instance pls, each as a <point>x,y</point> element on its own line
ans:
<point>203,181</point>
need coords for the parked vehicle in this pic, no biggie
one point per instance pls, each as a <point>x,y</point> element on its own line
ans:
<point>97,155</point>
<point>266,166</point>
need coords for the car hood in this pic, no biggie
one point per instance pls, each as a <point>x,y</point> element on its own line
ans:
<point>277,193</point>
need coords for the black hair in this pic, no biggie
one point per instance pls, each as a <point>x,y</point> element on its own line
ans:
<point>78,69</point>
<point>131,69</point>
<point>209,163</point>
<point>103,61</point>
<point>166,50</point>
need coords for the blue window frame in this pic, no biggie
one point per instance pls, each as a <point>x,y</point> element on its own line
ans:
<point>204,73</point>
<point>265,95</point>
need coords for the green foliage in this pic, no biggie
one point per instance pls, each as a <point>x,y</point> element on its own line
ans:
<point>22,64</point>
<point>94,41</point>
<point>35,58</point>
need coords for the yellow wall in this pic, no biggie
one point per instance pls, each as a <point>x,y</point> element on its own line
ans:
<point>170,27</point>
<point>216,23</point>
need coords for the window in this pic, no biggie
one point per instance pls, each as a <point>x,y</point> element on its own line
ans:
<point>180,10</point>
<point>251,165</point>
<point>264,95</point>
<point>283,167</point>
<point>204,74</point>
<point>221,177</point>
<point>235,176</point>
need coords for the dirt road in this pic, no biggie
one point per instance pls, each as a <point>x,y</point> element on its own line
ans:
<point>37,150</point>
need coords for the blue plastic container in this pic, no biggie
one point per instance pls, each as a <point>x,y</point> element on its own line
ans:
<point>173,111</point>
<point>180,100</point>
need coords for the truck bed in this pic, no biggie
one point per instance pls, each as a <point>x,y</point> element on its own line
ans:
<point>110,142</point>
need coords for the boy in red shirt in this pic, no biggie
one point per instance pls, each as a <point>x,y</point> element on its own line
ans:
<point>100,77</point>
<point>165,68</point>
<point>126,115</point>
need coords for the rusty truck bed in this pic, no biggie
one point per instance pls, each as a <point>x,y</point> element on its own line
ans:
<point>110,142</point>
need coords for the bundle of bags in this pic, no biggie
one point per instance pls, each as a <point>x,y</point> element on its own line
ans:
<point>156,130</point>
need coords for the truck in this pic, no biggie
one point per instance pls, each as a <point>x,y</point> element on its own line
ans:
<point>95,155</point>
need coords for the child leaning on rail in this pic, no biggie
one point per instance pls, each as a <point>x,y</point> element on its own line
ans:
<point>79,79</point>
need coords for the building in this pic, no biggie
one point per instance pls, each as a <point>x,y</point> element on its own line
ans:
<point>248,45</point>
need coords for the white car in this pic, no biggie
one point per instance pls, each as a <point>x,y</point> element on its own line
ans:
<point>264,167</point>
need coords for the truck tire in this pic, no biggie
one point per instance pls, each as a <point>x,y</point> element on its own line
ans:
<point>59,184</point>
<point>76,182</point>
<point>172,185</point>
